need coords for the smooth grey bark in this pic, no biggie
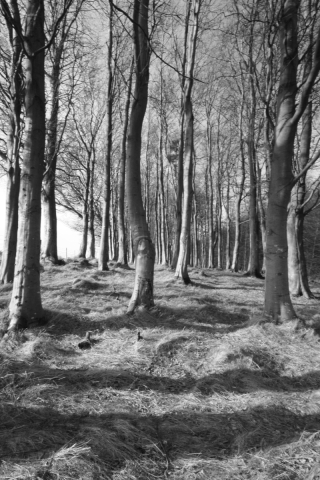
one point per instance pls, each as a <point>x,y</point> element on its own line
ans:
<point>143,246</point>
<point>122,252</point>
<point>104,243</point>
<point>181,269</point>
<point>278,305</point>
<point>13,148</point>
<point>178,219</point>
<point>25,307</point>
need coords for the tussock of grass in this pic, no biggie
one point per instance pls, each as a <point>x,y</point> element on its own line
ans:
<point>203,394</point>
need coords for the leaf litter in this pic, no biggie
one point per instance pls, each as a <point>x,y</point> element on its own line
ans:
<point>202,392</point>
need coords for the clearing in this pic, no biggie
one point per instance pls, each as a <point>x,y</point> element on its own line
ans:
<point>205,394</point>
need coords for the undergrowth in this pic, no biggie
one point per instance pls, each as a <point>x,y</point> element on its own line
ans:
<point>201,392</point>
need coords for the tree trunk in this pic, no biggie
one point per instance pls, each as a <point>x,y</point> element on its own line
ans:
<point>293,259</point>
<point>219,229</point>
<point>50,244</point>
<point>143,247</point>
<point>278,306</point>
<point>178,219</point>
<point>296,258</point>
<point>163,251</point>
<point>92,246</point>
<point>122,253</point>
<point>85,210</point>
<point>253,269</point>
<point>13,147</point>
<point>104,243</point>
<point>25,306</point>
<point>181,269</point>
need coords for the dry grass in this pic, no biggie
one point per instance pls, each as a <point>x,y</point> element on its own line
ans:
<point>206,394</point>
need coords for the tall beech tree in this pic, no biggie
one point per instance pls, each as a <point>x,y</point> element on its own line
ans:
<point>122,252</point>
<point>104,243</point>
<point>53,136</point>
<point>278,305</point>
<point>178,221</point>
<point>143,246</point>
<point>181,269</point>
<point>25,306</point>
<point>13,142</point>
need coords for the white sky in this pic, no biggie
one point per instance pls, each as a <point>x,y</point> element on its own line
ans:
<point>68,238</point>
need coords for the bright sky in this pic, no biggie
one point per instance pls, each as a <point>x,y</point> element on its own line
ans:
<point>68,238</point>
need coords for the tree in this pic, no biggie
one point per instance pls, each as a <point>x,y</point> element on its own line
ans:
<point>181,269</point>
<point>278,306</point>
<point>25,306</point>
<point>104,244</point>
<point>57,59</point>
<point>143,246</point>
<point>15,91</point>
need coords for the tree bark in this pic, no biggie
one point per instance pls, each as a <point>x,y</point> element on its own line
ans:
<point>178,219</point>
<point>163,248</point>
<point>235,256</point>
<point>143,246</point>
<point>104,243</point>
<point>13,148</point>
<point>278,306</point>
<point>85,209</point>
<point>25,306</point>
<point>92,245</point>
<point>181,269</point>
<point>122,252</point>
<point>50,244</point>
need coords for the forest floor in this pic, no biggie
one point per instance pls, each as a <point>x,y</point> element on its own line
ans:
<point>207,393</point>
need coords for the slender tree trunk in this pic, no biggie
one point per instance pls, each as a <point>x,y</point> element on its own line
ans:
<point>219,228</point>
<point>235,256</point>
<point>50,244</point>
<point>181,269</point>
<point>104,243</point>
<point>13,147</point>
<point>163,251</point>
<point>178,222</point>
<point>25,306</point>
<point>296,257</point>
<point>228,228</point>
<point>293,260</point>
<point>85,210</point>
<point>143,247</point>
<point>253,269</point>
<point>122,255</point>
<point>262,215</point>
<point>92,246</point>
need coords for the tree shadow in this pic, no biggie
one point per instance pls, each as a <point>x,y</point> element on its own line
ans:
<point>117,436</point>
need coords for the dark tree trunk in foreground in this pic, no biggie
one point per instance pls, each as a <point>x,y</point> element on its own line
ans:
<point>25,306</point>
<point>143,246</point>
<point>278,306</point>
<point>13,144</point>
